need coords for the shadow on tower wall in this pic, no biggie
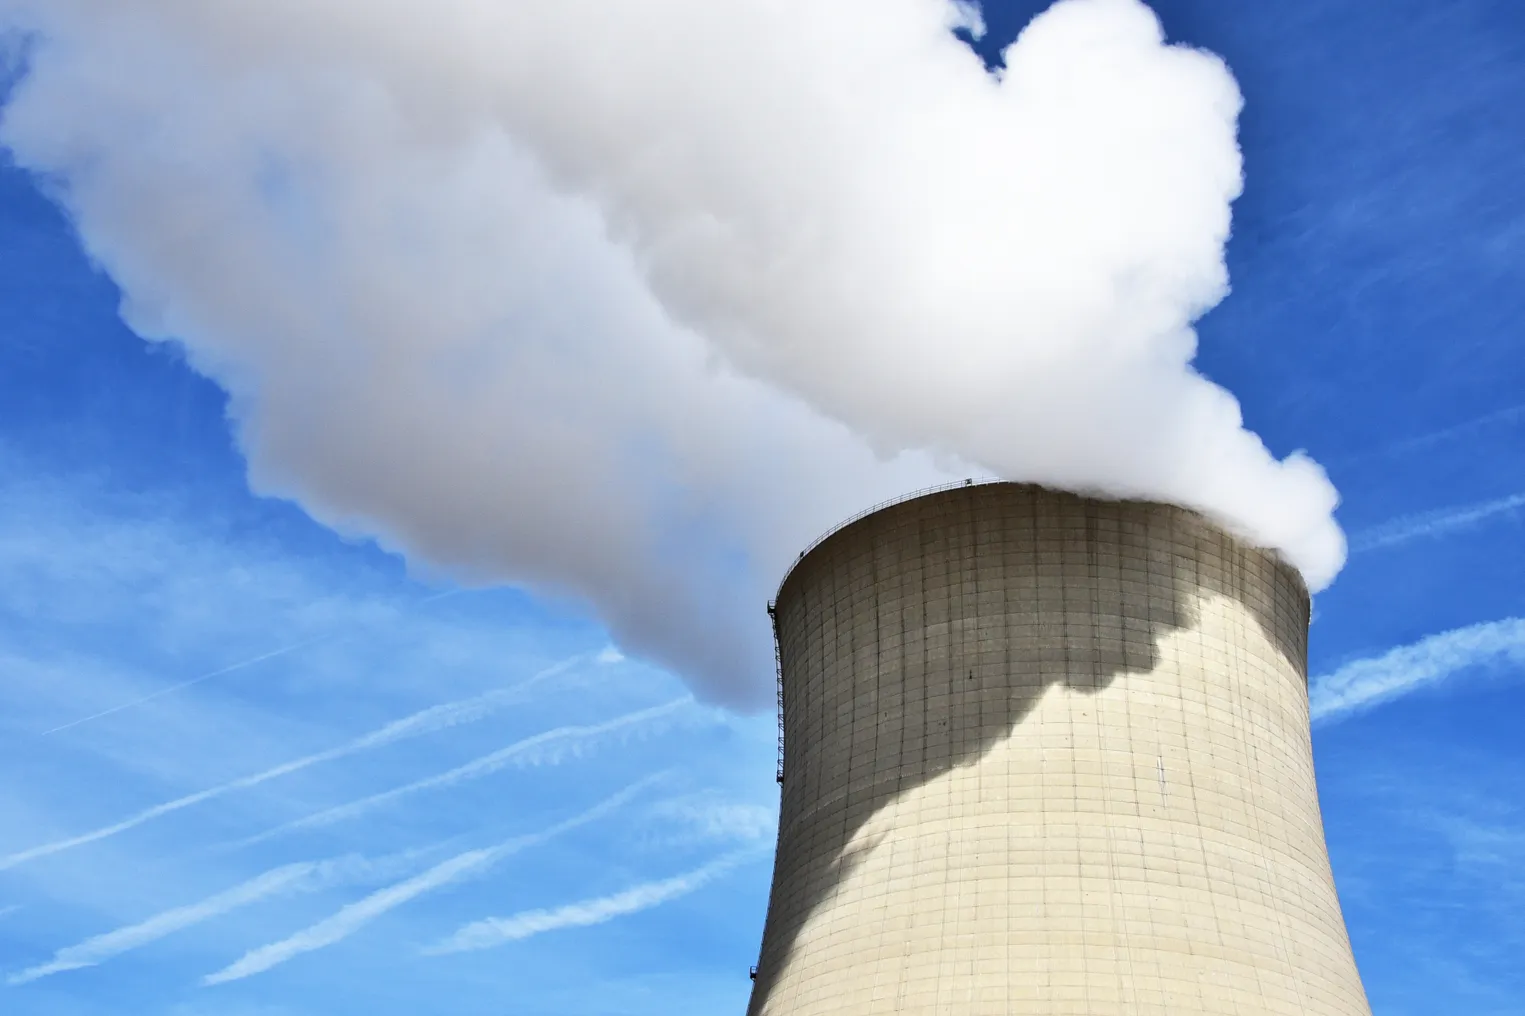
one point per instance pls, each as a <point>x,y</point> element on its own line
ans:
<point>916,639</point>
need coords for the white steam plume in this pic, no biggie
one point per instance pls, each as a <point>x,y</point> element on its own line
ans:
<point>628,300</point>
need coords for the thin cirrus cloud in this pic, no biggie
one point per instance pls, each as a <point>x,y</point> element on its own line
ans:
<point>548,747</point>
<point>496,931</point>
<point>289,879</point>
<point>427,721</point>
<point>351,918</point>
<point>1437,523</point>
<point>1362,684</point>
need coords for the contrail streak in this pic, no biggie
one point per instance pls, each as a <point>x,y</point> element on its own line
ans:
<point>185,684</point>
<point>274,653</point>
<point>1397,672</point>
<point>1506,415</point>
<point>1438,523</point>
<point>302,877</point>
<point>551,744</point>
<point>428,721</point>
<point>496,931</point>
<point>350,919</point>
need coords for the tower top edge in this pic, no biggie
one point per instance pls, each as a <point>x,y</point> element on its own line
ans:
<point>986,486</point>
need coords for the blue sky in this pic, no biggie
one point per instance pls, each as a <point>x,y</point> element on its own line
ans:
<point>208,690</point>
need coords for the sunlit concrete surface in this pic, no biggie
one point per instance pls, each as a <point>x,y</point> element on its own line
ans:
<point>1047,754</point>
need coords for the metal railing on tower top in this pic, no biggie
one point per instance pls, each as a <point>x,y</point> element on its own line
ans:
<point>913,495</point>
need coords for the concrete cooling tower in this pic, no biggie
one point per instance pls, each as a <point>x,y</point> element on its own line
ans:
<point>1045,754</point>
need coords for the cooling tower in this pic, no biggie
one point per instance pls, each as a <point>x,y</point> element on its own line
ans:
<point>1045,754</point>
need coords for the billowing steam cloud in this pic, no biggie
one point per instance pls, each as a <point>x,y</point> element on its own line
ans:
<point>627,301</point>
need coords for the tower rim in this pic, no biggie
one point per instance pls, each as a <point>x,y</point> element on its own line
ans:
<point>991,481</point>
